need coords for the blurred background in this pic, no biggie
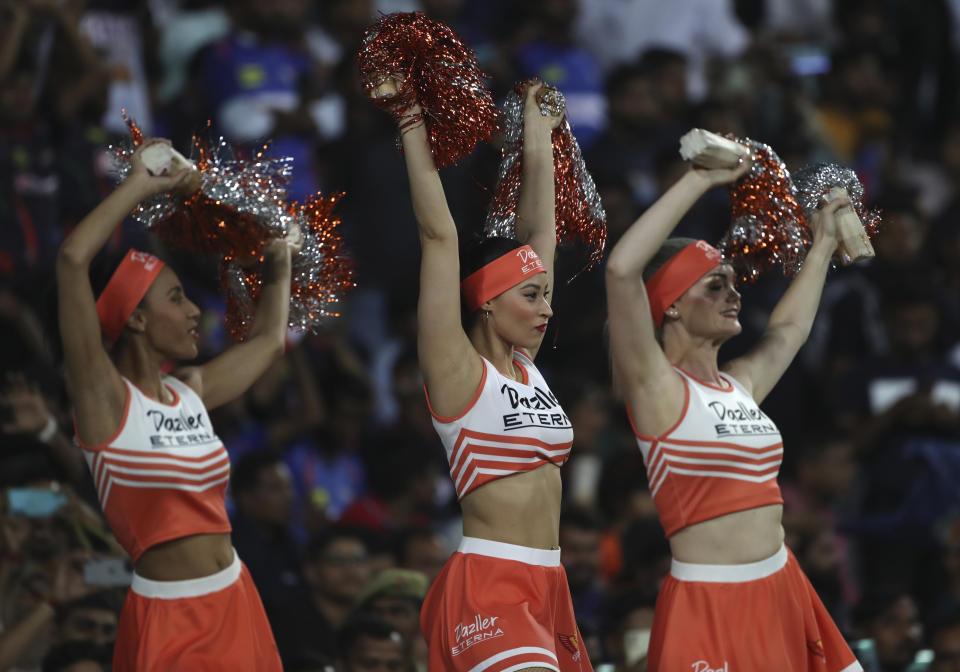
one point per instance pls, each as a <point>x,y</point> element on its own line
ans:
<point>340,498</point>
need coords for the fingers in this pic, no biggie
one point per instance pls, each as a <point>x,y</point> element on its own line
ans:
<point>831,207</point>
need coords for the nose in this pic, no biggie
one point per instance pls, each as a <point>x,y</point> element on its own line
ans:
<point>734,295</point>
<point>193,311</point>
<point>546,310</point>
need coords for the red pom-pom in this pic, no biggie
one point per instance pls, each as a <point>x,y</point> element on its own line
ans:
<point>321,272</point>
<point>768,227</point>
<point>436,70</point>
<point>579,213</point>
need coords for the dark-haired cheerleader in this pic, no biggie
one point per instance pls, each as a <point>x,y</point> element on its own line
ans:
<point>158,466</point>
<point>501,601</point>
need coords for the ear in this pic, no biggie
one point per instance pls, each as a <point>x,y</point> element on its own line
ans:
<point>137,322</point>
<point>487,306</point>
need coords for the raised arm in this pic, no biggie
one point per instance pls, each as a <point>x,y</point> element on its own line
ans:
<point>792,318</point>
<point>536,223</point>
<point>230,374</point>
<point>451,366</point>
<point>652,389</point>
<point>94,385</point>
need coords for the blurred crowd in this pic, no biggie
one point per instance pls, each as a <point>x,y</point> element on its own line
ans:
<point>341,502</point>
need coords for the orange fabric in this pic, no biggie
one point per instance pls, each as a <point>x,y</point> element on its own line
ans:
<point>494,614</point>
<point>225,631</point>
<point>164,473</point>
<point>677,276</point>
<point>723,455</point>
<point>774,623</point>
<point>125,289</point>
<point>500,275</point>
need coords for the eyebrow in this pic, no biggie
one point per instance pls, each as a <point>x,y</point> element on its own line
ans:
<point>531,284</point>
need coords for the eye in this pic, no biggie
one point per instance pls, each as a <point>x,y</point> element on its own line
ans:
<point>716,286</point>
<point>531,295</point>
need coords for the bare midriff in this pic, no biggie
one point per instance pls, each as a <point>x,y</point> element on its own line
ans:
<point>734,539</point>
<point>521,509</point>
<point>186,558</point>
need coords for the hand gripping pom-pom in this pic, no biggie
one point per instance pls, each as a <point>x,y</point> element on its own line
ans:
<point>321,272</point>
<point>856,225</point>
<point>579,212</point>
<point>429,65</point>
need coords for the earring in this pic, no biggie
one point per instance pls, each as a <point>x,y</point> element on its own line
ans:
<point>486,315</point>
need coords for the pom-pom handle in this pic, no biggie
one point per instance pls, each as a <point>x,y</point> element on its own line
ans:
<point>709,150</point>
<point>162,159</point>
<point>854,243</point>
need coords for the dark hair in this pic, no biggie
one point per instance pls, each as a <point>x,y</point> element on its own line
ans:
<point>363,625</point>
<point>403,538</point>
<point>108,600</point>
<point>245,475</point>
<point>474,256</point>
<point>670,248</point>
<point>322,540</point>
<point>875,603</point>
<point>656,59</point>
<point>64,655</point>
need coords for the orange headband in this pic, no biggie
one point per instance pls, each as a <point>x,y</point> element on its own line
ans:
<point>123,292</point>
<point>500,275</point>
<point>677,276</point>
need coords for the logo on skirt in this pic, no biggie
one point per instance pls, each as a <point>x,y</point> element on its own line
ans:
<point>816,648</point>
<point>704,666</point>
<point>571,644</point>
<point>480,629</point>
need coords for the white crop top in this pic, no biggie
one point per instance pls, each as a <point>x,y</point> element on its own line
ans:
<point>509,427</point>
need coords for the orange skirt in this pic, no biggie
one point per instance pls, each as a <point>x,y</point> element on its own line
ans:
<point>497,607</point>
<point>213,623</point>
<point>759,617</point>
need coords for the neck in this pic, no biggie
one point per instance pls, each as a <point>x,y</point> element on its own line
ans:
<point>141,367</point>
<point>696,356</point>
<point>493,348</point>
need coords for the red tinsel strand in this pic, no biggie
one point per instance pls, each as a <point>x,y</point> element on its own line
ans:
<point>579,213</point>
<point>439,72</point>
<point>768,227</point>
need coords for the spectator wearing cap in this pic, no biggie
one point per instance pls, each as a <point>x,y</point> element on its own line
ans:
<point>396,595</point>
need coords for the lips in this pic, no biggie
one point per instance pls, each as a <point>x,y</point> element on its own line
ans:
<point>542,328</point>
<point>195,332</point>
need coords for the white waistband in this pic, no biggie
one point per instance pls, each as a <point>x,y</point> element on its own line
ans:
<point>498,549</point>
<point>173,590</point>
<point>687,571</point>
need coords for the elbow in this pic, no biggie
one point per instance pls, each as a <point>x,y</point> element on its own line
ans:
<point>617,270</point>
<point>69,258</point>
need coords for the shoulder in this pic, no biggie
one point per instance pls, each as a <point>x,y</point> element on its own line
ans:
<point>187,378</point>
